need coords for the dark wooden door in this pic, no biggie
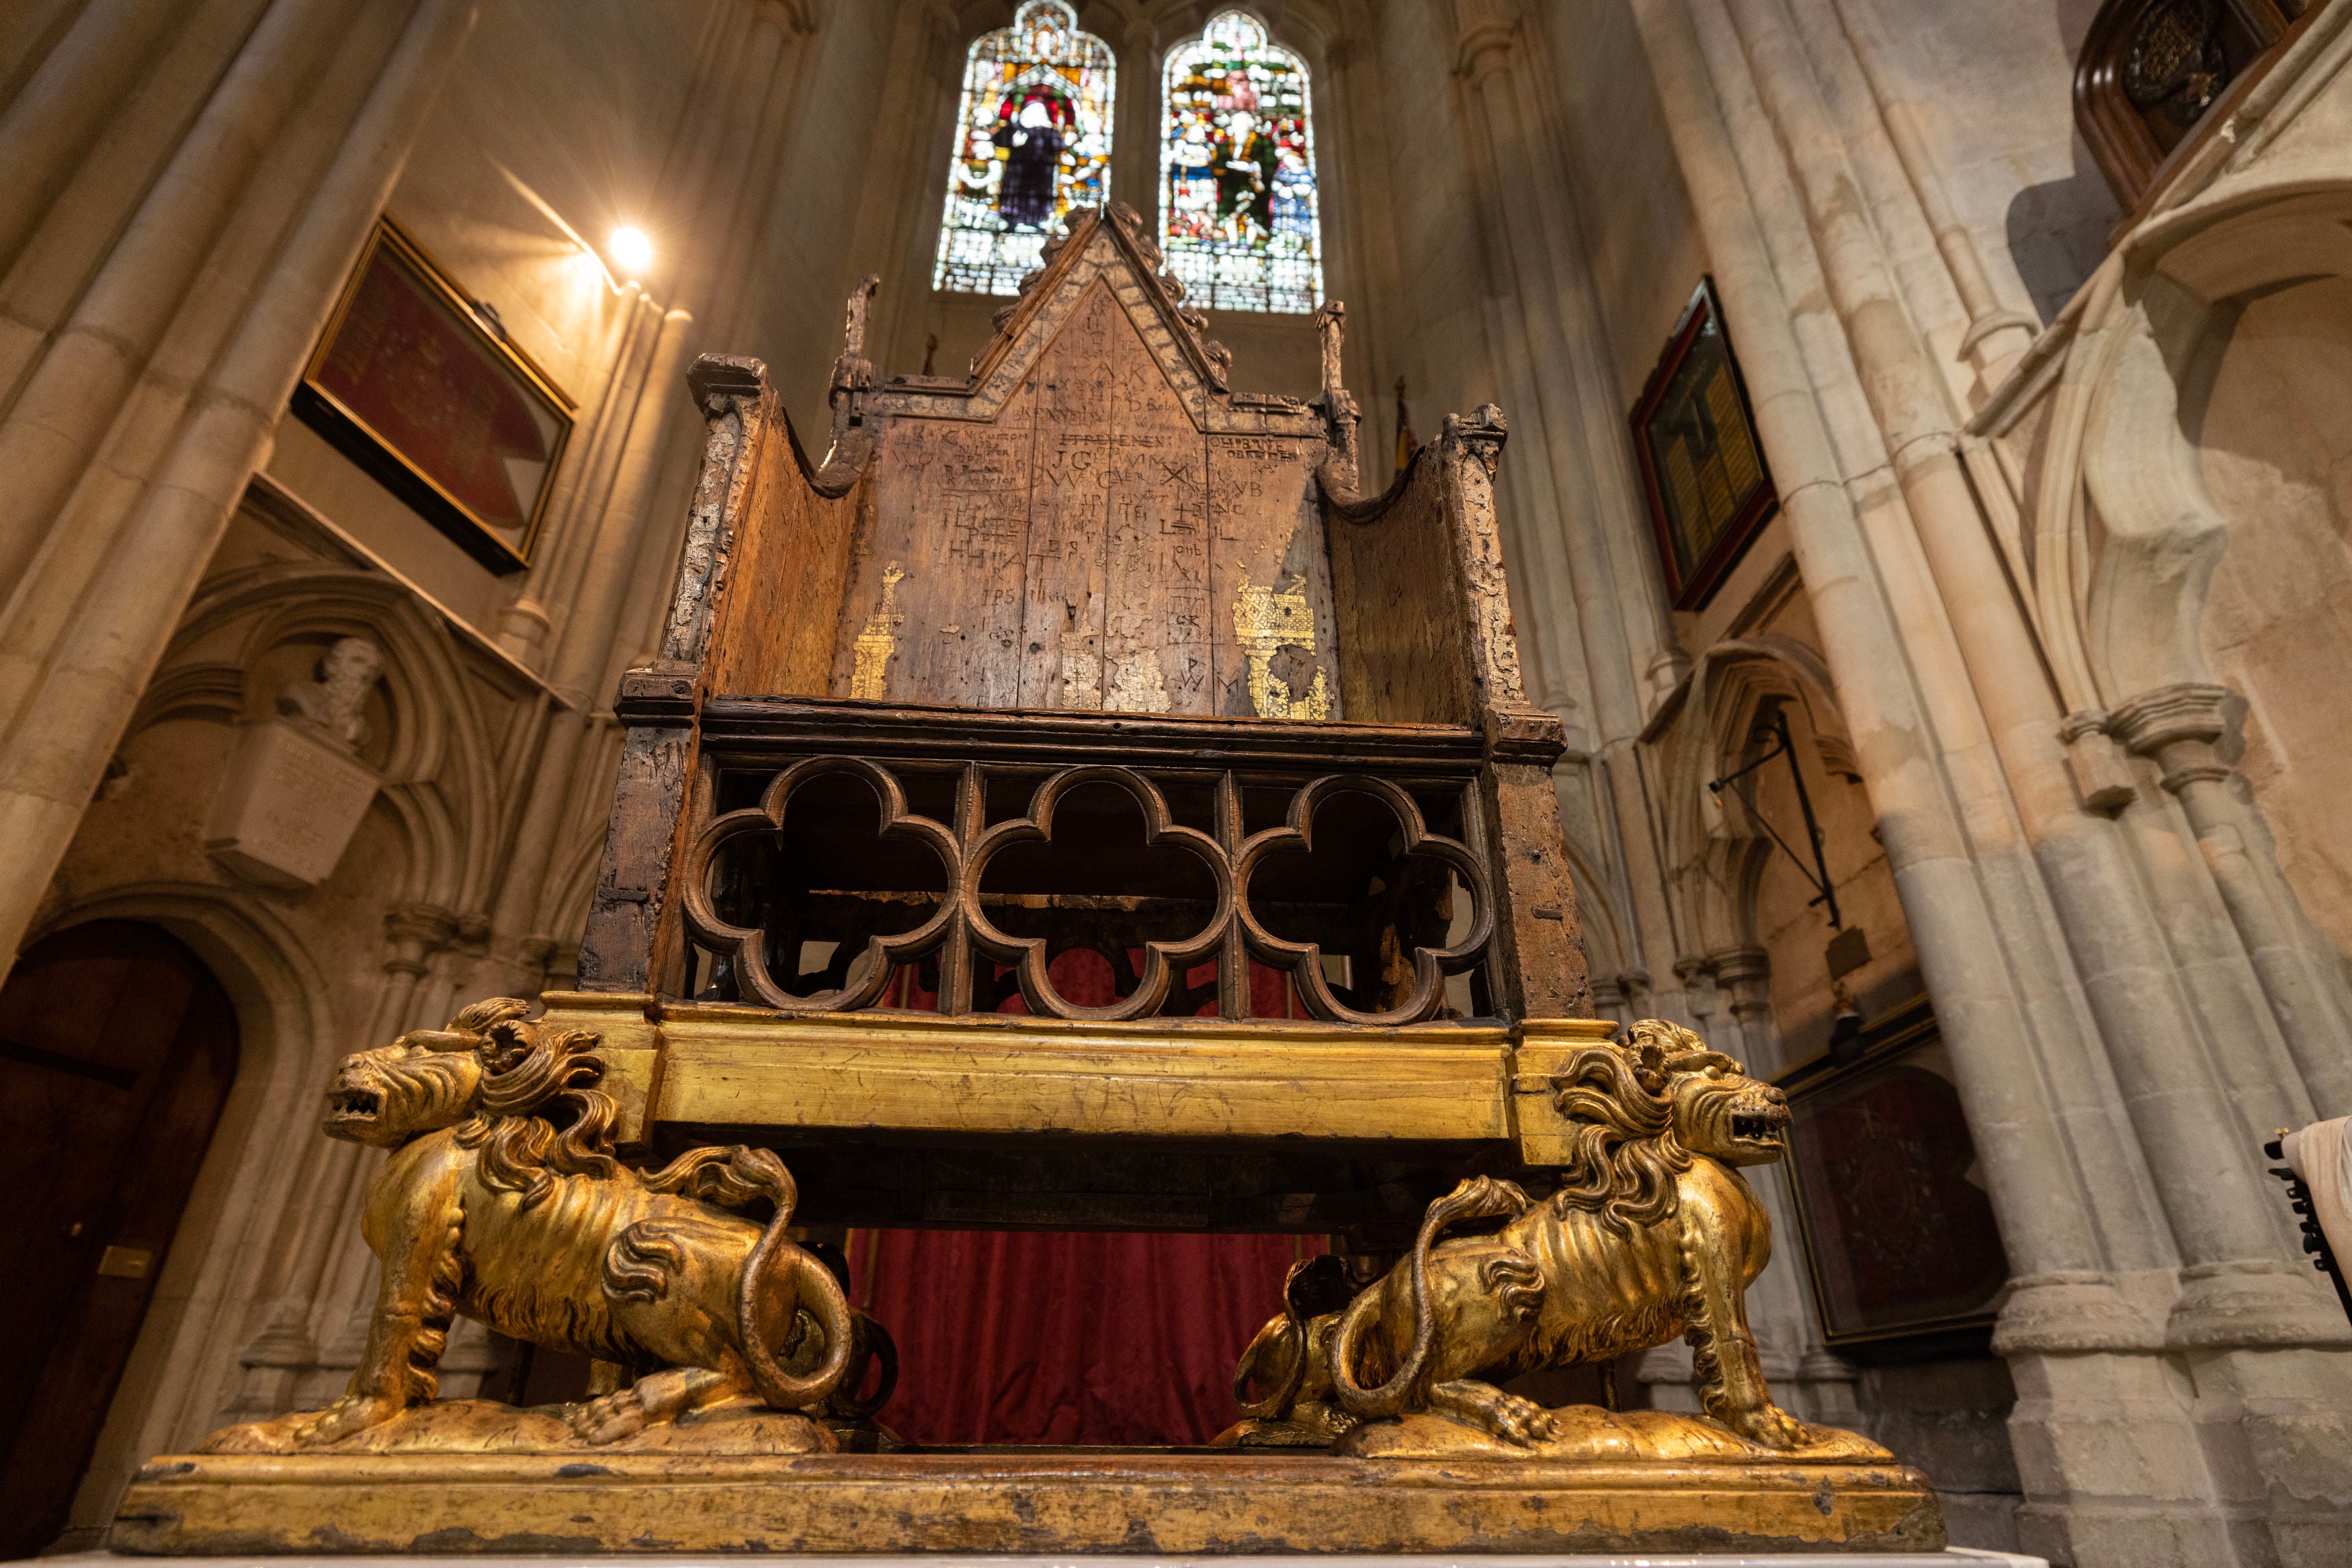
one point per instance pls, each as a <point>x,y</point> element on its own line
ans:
<point>117,1047</point>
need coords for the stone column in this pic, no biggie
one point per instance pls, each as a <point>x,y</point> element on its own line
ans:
<point>2164,1495</point>
<point>554,577</point>
<point>1608,999</point>
<point>588,642</point>
<point>1997,336</point>
<point>2177,727</point>
<point>54,755</point>
<point>1140,54</point>
<point>2217,1213</point>
<point>1700,996</point>
<point>1746,973</point>
<point>1618,517</point>
<point>1580,444</point>
<point>78,390</point>
<point>1525,493</point>
<point>51,123</point>
<point>2088,1425</point>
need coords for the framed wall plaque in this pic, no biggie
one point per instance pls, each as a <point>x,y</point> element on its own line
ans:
<point>416,384</point>
<point>1701,462</point>
<point>1897,1227</point>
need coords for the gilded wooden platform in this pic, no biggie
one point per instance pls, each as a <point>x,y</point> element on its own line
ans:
<point>1005,1074</point>
<point>1004,1501</point>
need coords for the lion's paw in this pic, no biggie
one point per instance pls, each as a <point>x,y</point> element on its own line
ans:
<point>608,1419</point>
<point>1772,1428</point>
<point>1522,1422</point>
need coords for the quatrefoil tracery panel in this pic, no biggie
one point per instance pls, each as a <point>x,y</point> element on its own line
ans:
<point>1165,961</point>
<point>967,931</point>
<point>747,949</point>
<point>1430,966</point>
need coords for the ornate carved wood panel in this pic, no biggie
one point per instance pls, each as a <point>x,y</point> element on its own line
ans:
<point>1367,884</point>
<point>1117,537</point>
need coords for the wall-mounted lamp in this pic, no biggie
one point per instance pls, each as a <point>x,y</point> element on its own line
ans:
<point>631,251</point>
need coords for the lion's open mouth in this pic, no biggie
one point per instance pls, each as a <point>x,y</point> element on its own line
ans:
<point>354,1103</point>
<point>1758,1129</point>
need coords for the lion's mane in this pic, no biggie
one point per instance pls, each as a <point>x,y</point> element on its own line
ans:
<point>1623,1155</point>
<point>540,1116</point>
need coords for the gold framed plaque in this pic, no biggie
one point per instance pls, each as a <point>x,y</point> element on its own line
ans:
<point>416,381</point>
<point>1702,464</point>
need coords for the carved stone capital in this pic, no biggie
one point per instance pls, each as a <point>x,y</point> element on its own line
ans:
<point>1747,974</point>
<point>2177,726</point>
<point>1485,31</point>
<point>473,934</point>
<point>416,932</point>
<point>2103,780</point>
<point>1483,52</point>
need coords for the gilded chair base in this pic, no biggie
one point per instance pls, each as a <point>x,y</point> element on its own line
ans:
<point>1029,1501</point>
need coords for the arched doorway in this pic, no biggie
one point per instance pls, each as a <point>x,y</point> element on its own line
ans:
<point>117,1049</point>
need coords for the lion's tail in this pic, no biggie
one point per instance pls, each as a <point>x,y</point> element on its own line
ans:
<point>1285,1332</point>
<point>1478,1197</point>
<point>776,1263</point>
<point>878,1346</point>
<point>1305,1291</point>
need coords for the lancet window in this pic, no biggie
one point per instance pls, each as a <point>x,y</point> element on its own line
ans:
<point>1237,171</point>
<point>1033,140</point>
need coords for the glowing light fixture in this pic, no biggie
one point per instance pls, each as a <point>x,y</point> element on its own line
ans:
<point>630,250</point>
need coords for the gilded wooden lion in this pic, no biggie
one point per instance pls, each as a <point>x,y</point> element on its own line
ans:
<point>502,1201</point>
<point>1650,1233</point>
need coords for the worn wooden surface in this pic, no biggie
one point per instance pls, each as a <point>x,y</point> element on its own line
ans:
<point>780,600</point>
<point>1539,947</point>
<point>1401,656</point>
<point>1009,1501</point>
<point>1272,581</point>
<point>1090,525</point>
<point>631,907</point>
<point>933,592</point>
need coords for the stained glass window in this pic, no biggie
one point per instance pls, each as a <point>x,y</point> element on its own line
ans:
<point>1032,142</point>
<point>1237,171</point>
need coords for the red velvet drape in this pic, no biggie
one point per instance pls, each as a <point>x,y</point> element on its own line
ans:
<point>1072,1336</point>
<point>1069,1337</point>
